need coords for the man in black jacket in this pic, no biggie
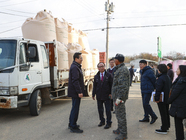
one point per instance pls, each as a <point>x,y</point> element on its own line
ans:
<point>111,70</point>
<point>102,90</point>
<point>170,72</point>
<point>131,70</point>
<point>75,90</point>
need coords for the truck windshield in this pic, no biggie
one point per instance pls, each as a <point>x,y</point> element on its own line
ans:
<point>7,53</point>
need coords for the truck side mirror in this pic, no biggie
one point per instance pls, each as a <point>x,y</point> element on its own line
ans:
<point>31,52</point>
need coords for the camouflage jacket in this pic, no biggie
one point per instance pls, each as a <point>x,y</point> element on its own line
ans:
<point>120,86</point>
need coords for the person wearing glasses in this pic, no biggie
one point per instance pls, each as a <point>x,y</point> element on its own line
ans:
<point>102,90</point>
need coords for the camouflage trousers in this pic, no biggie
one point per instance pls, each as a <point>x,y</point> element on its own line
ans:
<point>121,117</point>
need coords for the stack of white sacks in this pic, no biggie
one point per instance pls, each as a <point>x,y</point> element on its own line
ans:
<point>44,27</point>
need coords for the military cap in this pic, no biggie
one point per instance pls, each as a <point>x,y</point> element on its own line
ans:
<point>119,57</point>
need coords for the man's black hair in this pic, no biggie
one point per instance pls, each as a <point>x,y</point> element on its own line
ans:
<point>162,68</point>
<point>112,59</point>
<point>182,70</point>
<point>151,65</point>
<point>170,65</point>
<point>100,63</point>
<point>76,55</point>
<point>143,61</point>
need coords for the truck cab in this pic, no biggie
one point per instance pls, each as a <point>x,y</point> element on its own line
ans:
<point>30,74</point>
<point>24,73</point>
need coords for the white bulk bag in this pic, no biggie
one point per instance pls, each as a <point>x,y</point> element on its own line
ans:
<point>95,58</point>
<point>61,31</point>
<point>87,59</point>
<point>62,56</point>
<point>42,27</point>
<point>83,40</point>
<point>73,34</point>
<point>72,48</point>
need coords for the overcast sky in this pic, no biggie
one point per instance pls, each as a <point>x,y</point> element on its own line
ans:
<point>90,14</point>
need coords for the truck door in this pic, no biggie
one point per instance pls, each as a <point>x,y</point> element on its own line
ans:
<point>45,66</point>
<point>30,71</point>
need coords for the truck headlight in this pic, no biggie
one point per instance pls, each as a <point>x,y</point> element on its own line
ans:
<point>4,91</point>
<point>13,91</point>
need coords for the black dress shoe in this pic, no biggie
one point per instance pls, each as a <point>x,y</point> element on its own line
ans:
<point>69,127</point>
<point>144,120</point>
<point>153,120</point>
<point>101,124</point>
<point>107,126</point>
<point>76,130</point>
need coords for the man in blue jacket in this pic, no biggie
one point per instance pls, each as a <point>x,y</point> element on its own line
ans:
<point>148,81</point>
<point>75,90</point>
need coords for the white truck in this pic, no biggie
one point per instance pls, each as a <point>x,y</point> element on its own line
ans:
<point>29,74</point>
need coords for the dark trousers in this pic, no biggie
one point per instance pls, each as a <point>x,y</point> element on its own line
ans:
<point>111,104</point>
<point>146,106</point>
<point>74,112</point>
<point>164,113</point>
<point>101,111</point>
<point>179,128</point>
<point>131,80</point>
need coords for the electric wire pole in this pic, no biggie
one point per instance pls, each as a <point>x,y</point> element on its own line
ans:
<point>109,8</point>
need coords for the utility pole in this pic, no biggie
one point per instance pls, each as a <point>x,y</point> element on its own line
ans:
<point>109,8</point>
<point>159,49</point>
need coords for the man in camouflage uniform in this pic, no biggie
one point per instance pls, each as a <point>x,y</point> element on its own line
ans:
<point>120,90</point>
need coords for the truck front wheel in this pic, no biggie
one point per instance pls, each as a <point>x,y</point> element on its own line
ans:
<point>35,103</point>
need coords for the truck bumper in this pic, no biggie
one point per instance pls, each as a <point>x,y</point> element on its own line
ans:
<point>8,102</point>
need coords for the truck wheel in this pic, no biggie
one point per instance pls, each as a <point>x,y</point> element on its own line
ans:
<point>136,79</point>
<point>89,88</point>
<point>35,103</point>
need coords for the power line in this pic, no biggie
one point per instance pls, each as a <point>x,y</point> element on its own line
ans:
<point>9,30</point>
<point>87,5</point>
<point>19,11</point>
<point>145,26</point>
<point>17,3</point>
<point>11,22</point>
<point>153,11</point>
<point>85,17</point>
<point>4,0</point>
<point>150,16</point>
<point>12,14</point>
<point>87,21</point>
<point>140,37</point>
<point>84,6</point>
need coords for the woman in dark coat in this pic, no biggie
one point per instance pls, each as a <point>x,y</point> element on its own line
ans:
<point>178,101</point>
<point>163,84</point>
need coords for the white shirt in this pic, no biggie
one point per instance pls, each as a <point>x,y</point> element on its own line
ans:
<point>101,74</point>
<point>112,68</point>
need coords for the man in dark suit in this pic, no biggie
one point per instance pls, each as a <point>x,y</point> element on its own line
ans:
<point>170,72</point>
<point>102,90</point>
<point>131,70</point>
<point>111,70</point>
<point>75,90</point>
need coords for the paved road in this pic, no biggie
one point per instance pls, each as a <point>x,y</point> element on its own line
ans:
<point>52,123</point>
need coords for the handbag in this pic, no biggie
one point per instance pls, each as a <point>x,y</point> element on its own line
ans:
<point>161,97</point>
<point>170,93</point>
